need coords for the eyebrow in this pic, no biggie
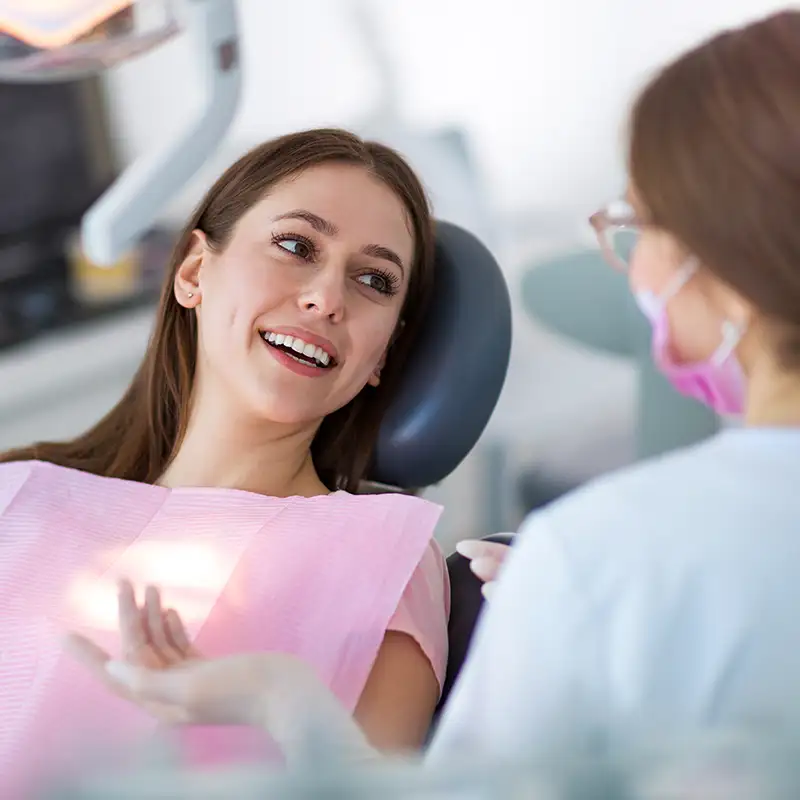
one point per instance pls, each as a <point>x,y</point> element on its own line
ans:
<point>327,228</point>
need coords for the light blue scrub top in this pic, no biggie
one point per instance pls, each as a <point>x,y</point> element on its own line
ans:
<point>656,599</point>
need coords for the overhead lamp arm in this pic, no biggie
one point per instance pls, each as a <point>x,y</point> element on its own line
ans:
<point>129,208</point>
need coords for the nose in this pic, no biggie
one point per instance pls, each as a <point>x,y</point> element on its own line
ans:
<point>325,294</point>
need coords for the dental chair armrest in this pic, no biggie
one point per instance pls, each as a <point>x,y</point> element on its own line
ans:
<point>466,602</point>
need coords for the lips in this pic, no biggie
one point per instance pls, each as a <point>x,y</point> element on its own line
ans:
<point>300,349</point>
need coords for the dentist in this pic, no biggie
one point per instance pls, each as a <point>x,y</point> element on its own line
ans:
<point>667,595</point>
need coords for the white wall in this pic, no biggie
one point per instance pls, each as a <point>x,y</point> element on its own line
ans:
<point>541,88</point>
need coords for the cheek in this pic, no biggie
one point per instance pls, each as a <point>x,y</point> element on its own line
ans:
<point>694,332</point>
<point>238,291</point>
<point>651,264</point>
<point>656,259</point>
<point>371,342</point>
<point>225,318</point>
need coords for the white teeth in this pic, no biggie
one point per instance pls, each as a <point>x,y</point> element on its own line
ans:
<point>299,346</point>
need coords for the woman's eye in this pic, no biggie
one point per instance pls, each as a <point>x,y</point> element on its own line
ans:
<point>295,247</point>
<point>380,283</point>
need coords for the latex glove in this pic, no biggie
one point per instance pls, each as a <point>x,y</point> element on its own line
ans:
<point>485,560</point>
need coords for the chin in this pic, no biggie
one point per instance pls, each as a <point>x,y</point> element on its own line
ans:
<point>290,417</point>
<point>293,405</point>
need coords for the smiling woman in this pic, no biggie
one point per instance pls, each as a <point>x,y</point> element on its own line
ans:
<point>326,259</point>
<point>291,301</point>
<point>317,237</point>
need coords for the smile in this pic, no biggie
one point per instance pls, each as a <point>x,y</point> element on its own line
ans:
<point>303,352</point>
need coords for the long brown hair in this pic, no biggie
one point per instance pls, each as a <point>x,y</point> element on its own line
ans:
<point>715,159</point>
<point>139,437</point>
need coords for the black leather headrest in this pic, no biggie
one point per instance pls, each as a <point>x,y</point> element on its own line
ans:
<point>456,371</point>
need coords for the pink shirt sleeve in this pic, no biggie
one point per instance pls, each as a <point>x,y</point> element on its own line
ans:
<point>424,609</point>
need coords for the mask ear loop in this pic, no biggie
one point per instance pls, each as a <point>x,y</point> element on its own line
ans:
<point>685,274</point>
<point>732,333</point>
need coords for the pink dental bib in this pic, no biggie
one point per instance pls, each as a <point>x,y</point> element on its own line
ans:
<point>316,577</point>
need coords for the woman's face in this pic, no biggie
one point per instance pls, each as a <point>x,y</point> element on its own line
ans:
<point>698,310</point>
<point>296,314</point>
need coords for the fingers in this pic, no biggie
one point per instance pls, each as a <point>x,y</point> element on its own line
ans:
<point>134,638</point>
<point>237,690</point>
<point>94,658</point>
<point>486,558</point>
<point>151,636</point>
<point>220,691</point>
<point>98,662</point>
<point>486,569</point>
<point>158,633</point>
<point>87,652</point>
<point>177,636</point>
<point>153,641</point>
<point>477,548</point>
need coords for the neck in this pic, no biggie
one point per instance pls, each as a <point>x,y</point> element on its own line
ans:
<point>773,398</point>
<point>222,448</point>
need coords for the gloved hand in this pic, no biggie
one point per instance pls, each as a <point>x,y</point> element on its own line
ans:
<point>486,560</point>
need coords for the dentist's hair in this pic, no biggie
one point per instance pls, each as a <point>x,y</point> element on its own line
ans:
<point>715,159</point>
<point>140,436</point>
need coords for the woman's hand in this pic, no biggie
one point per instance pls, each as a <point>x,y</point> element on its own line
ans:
<point>161,672</point>
<point>273,691</point>
<point>150,637</point>
<point>486,560</point>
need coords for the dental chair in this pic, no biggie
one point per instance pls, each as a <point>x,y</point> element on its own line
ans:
<point>466,604</point>
<point>456,372</point>
<point>451,386</point>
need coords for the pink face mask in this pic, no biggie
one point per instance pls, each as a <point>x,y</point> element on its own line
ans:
<point>720,381</point>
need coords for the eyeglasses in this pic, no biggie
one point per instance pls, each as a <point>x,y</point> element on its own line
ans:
<point>617,228</point>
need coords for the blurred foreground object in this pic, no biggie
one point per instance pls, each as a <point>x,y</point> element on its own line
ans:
<point>717,766</point>
<point>61,40</point>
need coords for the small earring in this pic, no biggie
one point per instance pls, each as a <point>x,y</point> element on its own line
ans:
<point>191,294</point>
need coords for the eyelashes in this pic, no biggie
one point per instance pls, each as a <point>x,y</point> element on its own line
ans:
<point>386,284</point>
<point>388,281</point>
<point>308,250</point>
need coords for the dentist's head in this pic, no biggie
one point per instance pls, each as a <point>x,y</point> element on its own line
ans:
<point>714,201</point>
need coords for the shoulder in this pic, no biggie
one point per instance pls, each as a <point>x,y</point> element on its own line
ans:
<point>631,510</point>
<point>13,476</point>
<point>430,578</point>
<point>393,509</point>
<point>424,609</point>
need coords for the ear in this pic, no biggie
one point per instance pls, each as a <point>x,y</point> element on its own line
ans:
<point>187,276</point>
<point>375,378</point>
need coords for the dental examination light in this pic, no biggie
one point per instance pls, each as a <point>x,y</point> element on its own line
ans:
<point>59,40</point>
